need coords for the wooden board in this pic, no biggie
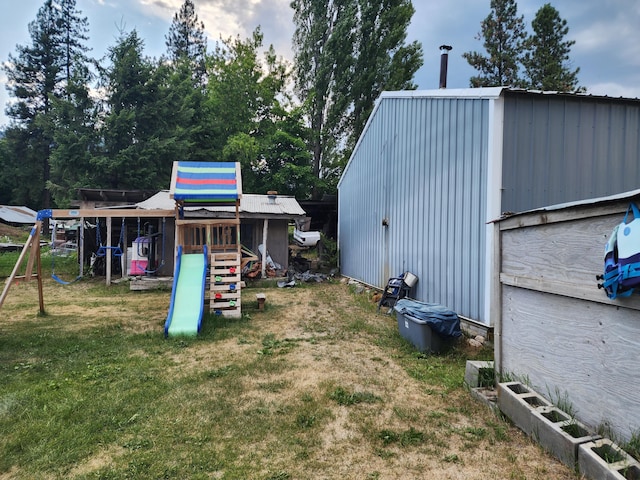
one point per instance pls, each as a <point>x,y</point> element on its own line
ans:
<point>586,350</point>
<point>556,328</point>
<point>560,258</point>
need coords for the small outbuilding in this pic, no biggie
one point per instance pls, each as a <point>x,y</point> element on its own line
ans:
<point>263,219</point>
<point>433,169</point>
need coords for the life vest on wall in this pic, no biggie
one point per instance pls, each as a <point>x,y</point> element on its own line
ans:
<point>622,257</point>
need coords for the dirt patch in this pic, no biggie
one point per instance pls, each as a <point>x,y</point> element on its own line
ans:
<point>100,460</point>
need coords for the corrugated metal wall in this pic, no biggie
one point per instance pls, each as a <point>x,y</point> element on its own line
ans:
<point>561,148</point>
<point>422,165</point>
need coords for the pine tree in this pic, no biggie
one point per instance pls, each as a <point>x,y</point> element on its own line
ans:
<point>503,32</point>
<point>75,140</point>
<point>128,123</point>
<point>37,74</point>
<point>74,33</point>
<point>186,40</point>
<point>546,63</point>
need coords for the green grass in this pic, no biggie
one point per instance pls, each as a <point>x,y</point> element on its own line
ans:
<point>90,396</point>
<point>64,266</point>
<point>65,394</point>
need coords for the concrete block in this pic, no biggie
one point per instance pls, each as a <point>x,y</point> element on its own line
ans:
<point>475,371</point>
<point>517,402</point>
<point>603,459</point>
<point>559,435</point>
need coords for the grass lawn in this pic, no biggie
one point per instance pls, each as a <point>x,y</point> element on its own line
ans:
<point>318,385</point>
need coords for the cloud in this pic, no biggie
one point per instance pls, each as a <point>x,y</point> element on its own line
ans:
<point>612,89</point>
<point>231,18</point>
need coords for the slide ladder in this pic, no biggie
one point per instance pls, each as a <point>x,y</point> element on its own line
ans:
<point>225,284</point>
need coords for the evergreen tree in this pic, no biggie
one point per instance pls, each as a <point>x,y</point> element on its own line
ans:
<point>186,40</point>
<point>546,62</point>
<point>75,140</point>
<point>74,32</point>
<point>6,172</point>
<point>503,32</point>
<point>186,113</point>
<point>37,75</point>
<point>20,171</point>
<point>132,134</point>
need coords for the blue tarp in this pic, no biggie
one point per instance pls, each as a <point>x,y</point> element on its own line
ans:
<point>440,319</point>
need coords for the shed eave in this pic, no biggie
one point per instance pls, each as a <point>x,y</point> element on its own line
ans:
<point>484,92</point>
<point>578,203</point>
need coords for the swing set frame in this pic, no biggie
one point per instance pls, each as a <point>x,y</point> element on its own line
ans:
<point>32,245</point>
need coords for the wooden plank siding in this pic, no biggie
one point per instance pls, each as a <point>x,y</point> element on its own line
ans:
<point>556,328</point>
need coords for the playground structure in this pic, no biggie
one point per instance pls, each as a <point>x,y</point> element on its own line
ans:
<point>207,254</point>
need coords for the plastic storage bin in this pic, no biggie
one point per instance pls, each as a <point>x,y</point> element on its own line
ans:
<point>420,334</point>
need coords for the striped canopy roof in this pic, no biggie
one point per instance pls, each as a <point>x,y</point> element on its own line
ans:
<point>206,182</point>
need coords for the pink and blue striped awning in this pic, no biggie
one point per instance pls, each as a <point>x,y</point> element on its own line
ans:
<point>206,182</point>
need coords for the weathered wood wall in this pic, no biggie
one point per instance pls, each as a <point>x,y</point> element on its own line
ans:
<point>556,327</point>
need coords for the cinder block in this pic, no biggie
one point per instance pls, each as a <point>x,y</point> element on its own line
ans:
<point>603,459</point>
<point>560,437</point>
<point>475,371</point>
<point>517,402</point>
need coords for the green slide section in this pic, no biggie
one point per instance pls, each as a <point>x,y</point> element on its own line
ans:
<point>187,299</point>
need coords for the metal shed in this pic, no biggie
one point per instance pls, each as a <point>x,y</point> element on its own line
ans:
<point>433,168</point>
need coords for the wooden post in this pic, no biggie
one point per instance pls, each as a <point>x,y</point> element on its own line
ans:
<point>35,245</point>
<point>36,252</point>
<point>124,260</point>
<point>81,246</point>
<point>107,257</point>
<point>265,229</point>
<point>25,249</point>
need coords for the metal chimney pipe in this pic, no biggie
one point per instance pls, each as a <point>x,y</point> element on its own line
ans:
<point>444,63</point>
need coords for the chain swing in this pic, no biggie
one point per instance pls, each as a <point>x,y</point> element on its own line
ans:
<point>53,259</point>
<point>116,250</point>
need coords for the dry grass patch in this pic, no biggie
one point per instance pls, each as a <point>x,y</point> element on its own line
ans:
<point>318,385</point>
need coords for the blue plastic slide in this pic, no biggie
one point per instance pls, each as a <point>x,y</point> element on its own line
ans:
<point>187,295</point>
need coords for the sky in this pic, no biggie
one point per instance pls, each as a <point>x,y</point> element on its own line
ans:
<point>607,48</point>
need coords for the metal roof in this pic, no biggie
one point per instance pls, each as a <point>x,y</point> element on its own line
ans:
<point>14,214</point>
<point>250,204</point>
<point>489,93</point>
